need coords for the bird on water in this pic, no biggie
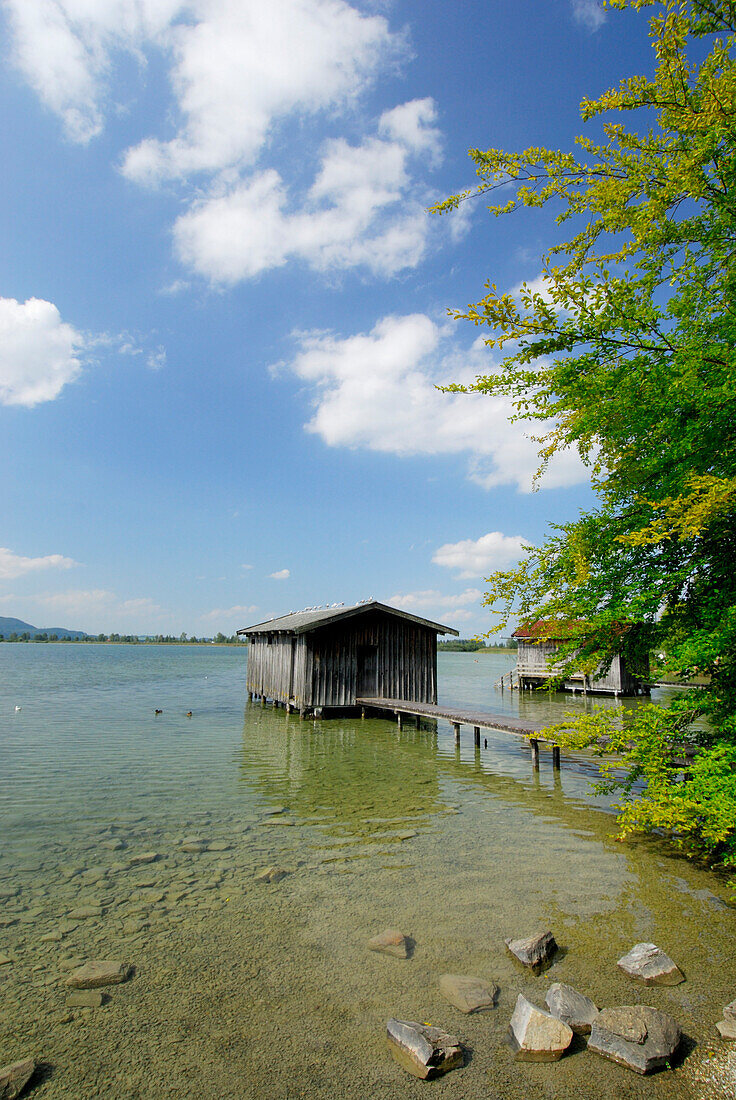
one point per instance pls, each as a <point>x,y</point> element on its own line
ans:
<point>157,711</point>
<point>189,714</point>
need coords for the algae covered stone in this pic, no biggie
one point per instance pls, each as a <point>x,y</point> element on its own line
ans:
<point>573,1008</point>
<point>15,1077</point>
<point>468,994</point>
<point>650,964</point>
<point>98,972</point>
<point>636,1036</point>
<point>422,1050</point>
<point>537,951</point>
<point>391,942</point>
<point>536,1035</point>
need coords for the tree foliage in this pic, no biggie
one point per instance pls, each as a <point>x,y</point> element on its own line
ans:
<point>625,350</point>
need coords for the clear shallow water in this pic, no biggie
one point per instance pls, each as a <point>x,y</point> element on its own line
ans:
<point>244,989</point>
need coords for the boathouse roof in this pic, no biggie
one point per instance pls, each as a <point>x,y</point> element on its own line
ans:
<point>311,618</point>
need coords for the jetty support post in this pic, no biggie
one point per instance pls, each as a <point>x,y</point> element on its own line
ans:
<point>362,712</point>
<point>263,700</point>
<point>456,728</point>
<point>419,721</point>
<point>399,719</point>
<point>250,696</point>
<point>476,736</point>
<point>535,753</point>
<point>556,757</point>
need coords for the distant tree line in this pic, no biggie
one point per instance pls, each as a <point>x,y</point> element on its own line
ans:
<point>125,639</point>
<point>473,645</point>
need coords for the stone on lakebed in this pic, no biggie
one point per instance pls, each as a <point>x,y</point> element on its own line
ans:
<point>727,1029</point>
<point>98,972</point>
<point>468,994</point>
<point>391,942</point>
<point>573,1008</point>
<point>636,1036</point>
<point>422,1050</point>
<point>536,1035</point>
<point>649,964</point>
<point>271,874</point>
<point>15,1077</point>
<point>536,952</point>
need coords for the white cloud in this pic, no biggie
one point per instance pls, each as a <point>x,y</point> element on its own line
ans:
<point>431,598</point>
<point>64,48</point>
<point>228,614</point>
<point>39,353</point>
<point>589,13</point>
<point>15,565</point>
<point>240,66</point>
<point>378,390</point>
<point>245,565</point>
<point>478,557</point>
<point>238,70</point>
<point>280,575</point>
<point>358,211</point>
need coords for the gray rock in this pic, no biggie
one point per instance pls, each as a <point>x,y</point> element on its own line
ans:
<point>271,874</point>
<point>15,1077</point>
<point>390,942</point>
<point>636,1036</point>
<point>85,912</point>
<point>5,960</point>
<point>421,1050</point>
<point>98,972</point>
<point>727,1029</point>
<point>729,1012</point>
<point>219,846</point>
<point>535,1035</point>
<point>536,951</point>
<point>143,857</point>
<point>649,964</point>
<point>84,998</point>
<point>55,936</point>
<point>573,1008</point>
<point>115,845</point>
<point>468,994</point>
<point>72,963</point>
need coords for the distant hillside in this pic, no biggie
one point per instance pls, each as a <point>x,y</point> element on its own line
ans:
<point>17,626</point>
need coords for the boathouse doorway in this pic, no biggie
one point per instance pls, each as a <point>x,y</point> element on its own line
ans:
<point>367,673</point>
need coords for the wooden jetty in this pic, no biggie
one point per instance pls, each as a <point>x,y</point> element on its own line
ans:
<point>458,717</point>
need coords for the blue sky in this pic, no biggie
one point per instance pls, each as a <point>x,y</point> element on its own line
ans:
<point>223,306</point>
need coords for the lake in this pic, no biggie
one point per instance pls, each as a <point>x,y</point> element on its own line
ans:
<point>267,990</point>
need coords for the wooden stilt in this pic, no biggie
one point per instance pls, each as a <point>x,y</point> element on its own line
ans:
<point>287,707</point>
<point>456,727</point>
<point>399,719</point>
<point>362,712</point>
<point>250,696</point>
<point>556,757</point>
<point>419,721</point>
<point>302,713</point>
<point>263,700</point>
<point>476,734</point>
<point>535,753</point>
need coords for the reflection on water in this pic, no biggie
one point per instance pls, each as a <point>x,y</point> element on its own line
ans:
<point>249,989</point>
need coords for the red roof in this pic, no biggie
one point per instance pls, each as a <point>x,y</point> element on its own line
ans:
<point>543,630</point>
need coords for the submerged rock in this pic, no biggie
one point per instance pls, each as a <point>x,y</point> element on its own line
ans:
<point>422,1050</point>
<point>649,964</point>
<point>729,1012</point>
<point>84,998</point>
<point>536,951</point>
<point>573,1008</point>
<point>271,874</point>
<point>468,994</point>
<point>727,1029</point>
<point>143,857</point>
<point>637,1036</point>
<point>536,1035</point>
<point>391,942</point>
<point>15,1077</point>
<point>98,972</point>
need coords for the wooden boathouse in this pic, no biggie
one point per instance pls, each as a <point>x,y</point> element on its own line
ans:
<point>327,658</point>
<point>536,662</point>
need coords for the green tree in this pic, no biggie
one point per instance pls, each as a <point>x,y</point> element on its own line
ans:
<point>627,353</point>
